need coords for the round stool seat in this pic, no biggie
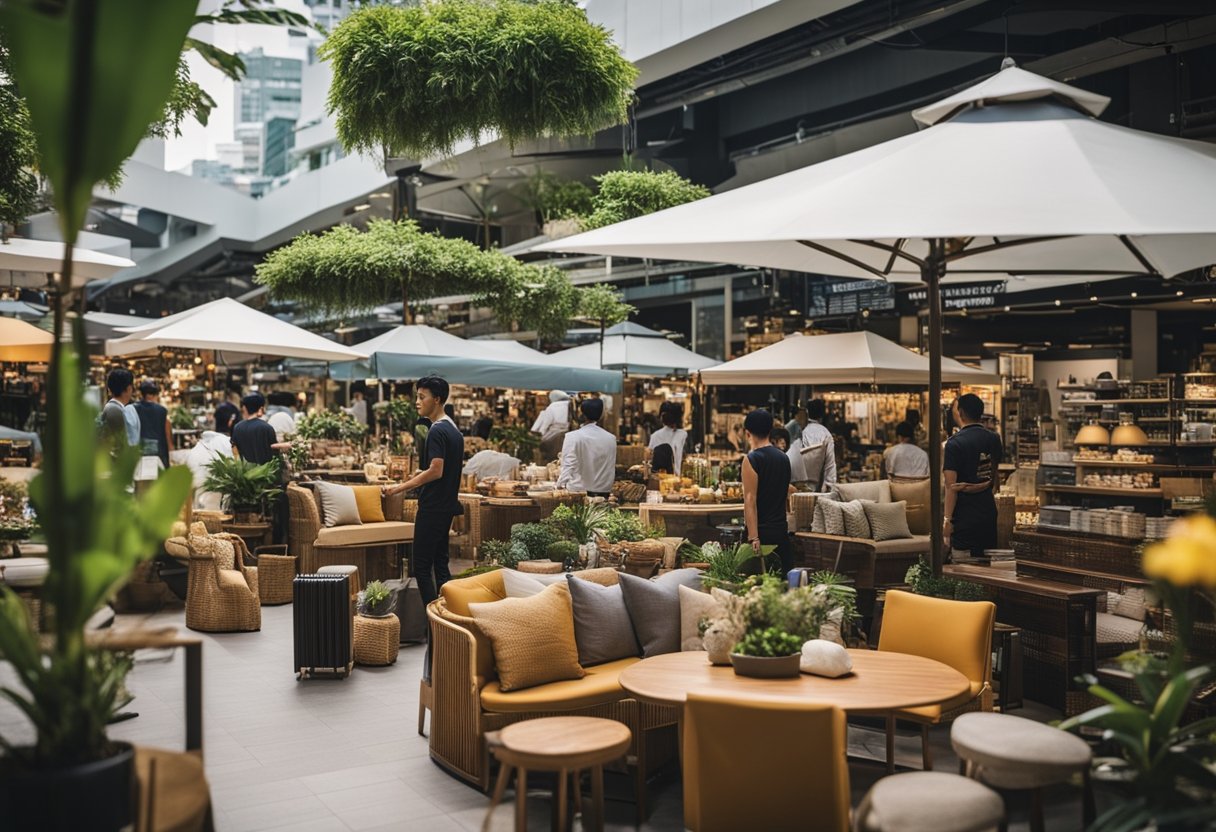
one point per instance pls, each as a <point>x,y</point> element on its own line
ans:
<point>24,571</point>
<point>930,801</point>
<point>1011,752</point>
<point>540,567</point>
<point>558,742</point>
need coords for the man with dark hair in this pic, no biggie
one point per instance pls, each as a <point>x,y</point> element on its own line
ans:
<point>439,466</point>
<point>227,414</point>
<point>154,427</point>
<point>118,423</point>
<point>766,487</point>
<point>817,451</point>
<point>904,458</point>
<point>797,424</point>
<point>672,415</point>
<point>589,454</point>
<point>254,440</point>
<point>971,460</point>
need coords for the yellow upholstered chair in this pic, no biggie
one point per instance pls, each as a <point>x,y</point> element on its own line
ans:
<point>742,770</point>
<point>956,633</point>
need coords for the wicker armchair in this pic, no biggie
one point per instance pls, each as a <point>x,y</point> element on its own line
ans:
<point>373,555</point>
<point>221,600</point>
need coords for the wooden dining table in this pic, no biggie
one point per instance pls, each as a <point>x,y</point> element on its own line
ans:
<point>880,683</point>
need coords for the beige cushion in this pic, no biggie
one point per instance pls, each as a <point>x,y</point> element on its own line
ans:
<point>855,522</point>
<point>888,521</point>
<point>1117,629</point>
<point>833,516</point>
<point>1011,752</point>
<point>520,585</point>
<point>368,534</point>
<point>694,606</point>
<point>338,505</point>
<point>533,638</point>
<point>916,495</point>
<point>929,801</point>
<point>916,544</point>
<point>877,490</point>
<point>1129,604</point>
<point>603,575</point>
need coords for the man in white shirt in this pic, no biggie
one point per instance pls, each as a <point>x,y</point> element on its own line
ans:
<point>813,435</point>
<point>589,455</point>
<point>552,424</point>
<point>904,458</point>
<point>210,446</point>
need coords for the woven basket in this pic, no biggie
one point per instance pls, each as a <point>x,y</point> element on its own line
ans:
<point>629,492</point>
<point>377,640</point>
<point>539,567</point>
<point>275,576</point>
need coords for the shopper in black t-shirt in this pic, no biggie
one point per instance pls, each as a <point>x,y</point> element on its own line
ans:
<point>438,478</point>
<point>766,487</point>
<point>970,470</point>
<point>227,414</point>
<point>154,427</point>
<point>254,440</point>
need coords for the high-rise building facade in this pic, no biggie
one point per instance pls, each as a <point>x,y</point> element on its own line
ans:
<point>270,88</point>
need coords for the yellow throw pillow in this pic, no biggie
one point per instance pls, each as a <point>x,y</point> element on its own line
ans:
<point>533,638</point>
<point>367,498</point>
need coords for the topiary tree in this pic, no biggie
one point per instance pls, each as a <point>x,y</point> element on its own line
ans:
<point>602,304</point>
<point>415,81</point>
<point>625,194</point>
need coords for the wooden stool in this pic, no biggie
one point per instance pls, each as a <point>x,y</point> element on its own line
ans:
<point>377,640</point>
<point>562,744</point>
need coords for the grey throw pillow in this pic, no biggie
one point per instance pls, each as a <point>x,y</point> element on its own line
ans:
<point>602,627</point>
<point>338,506</point>
<point>654,608</point>
<point>888,521</point>
<point>855,522</point>
<point>833,516</point>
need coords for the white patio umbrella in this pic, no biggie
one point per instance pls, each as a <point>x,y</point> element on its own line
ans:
<point>45,256</point>
<point>1014,177</point>
<point>635,350</point>
<point>230,326</point>
<point>843,358</point>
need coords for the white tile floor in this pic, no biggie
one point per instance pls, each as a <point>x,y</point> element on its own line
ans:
<point>325,754</point>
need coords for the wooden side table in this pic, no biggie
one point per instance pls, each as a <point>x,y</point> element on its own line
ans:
<point>562,744</point>
<point>254,534</point>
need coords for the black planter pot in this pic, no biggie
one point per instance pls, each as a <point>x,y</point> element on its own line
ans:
<point>96,796</point>
<point>766,667</point>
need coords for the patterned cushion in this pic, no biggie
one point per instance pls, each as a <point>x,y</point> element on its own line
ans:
<point>695,605</point>
<point>369,500</point>
<point>220,549</point>
<point>888,521</point>
<point>1116,629</point>
<point>1129,604</point>
<point>855,522</point>
<point>602,628</point>
<point>833,516</point>
<point>533,638</point>
<point>877,490</point>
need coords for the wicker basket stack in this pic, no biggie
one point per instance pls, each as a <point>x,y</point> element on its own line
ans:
<point>377,640</point>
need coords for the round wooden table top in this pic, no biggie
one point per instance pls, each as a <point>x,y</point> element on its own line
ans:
<point>880,682</point>
<point>564,741</point>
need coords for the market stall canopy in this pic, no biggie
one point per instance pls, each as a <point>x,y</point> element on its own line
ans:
<point>843,358</point>
<point>410,352</point>
<point>227,325</point>
<point>46,256</point>
<point>513,350</point>
<point>101,326</point>
<point>24,342</point>
<point>21,309</point>
<point>635,350</point>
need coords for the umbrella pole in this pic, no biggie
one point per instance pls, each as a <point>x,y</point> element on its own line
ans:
<point>931,272</point>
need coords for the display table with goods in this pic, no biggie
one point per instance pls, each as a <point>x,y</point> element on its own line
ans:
<point>1058,623</point>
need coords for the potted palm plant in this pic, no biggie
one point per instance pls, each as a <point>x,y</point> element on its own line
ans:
<point>244,486</point>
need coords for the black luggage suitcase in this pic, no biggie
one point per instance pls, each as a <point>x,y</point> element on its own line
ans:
<point>410,610</point>
<point>323,620</point>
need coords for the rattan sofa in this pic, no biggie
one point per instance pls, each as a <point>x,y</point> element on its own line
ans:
<point>368,546</point>
<point>466,702</point>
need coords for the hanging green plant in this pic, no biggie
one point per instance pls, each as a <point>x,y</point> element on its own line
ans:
<point>625,194</point>
<point>416,81</point>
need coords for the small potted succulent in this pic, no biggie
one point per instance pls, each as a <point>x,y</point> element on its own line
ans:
<point>376,600</point>
<point>771,653</point>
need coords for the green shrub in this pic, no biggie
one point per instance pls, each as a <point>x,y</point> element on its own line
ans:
<point>479,570</point>
<point>771,642</point>
<point>578,522</point>
<point>626,527</point>
<point>328,424</point>
<point>534,537</point>
<point>625,194</point>
<point>504,553</point>
<point>564,552</point>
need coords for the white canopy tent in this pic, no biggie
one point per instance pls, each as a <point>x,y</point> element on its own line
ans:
<point>636,351</point>
<point>229,326</point>
<point>843,358</point>
<point>410,352</point>
<point>44,257</point>
<point>1013,178</point>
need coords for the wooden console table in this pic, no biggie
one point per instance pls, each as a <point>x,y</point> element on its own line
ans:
<point>1059,630</point>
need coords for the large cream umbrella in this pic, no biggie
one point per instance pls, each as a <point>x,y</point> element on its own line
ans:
<point>23,342</point>
<point>1014,177</point>
<point>45,257</point>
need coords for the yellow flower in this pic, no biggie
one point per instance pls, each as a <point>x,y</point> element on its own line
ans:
<point>1188,556</point>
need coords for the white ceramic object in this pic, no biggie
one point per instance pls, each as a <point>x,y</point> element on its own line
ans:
<point>25,571</point>
<point>825,658</point>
